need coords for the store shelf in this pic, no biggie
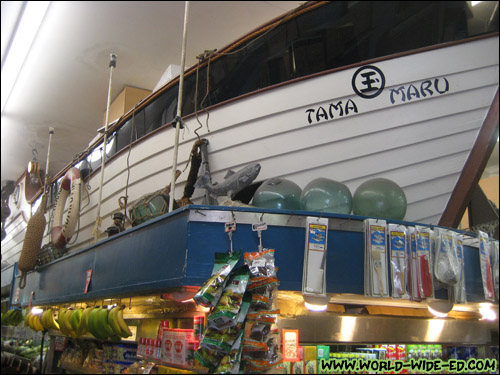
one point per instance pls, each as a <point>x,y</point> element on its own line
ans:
<point>177,249</point>
<point>77,369</point>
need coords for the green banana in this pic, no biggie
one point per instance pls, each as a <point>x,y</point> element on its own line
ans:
<point>102,323</point>
<point>92,324</point>
<point>75,318</point>
<point>83,327</point>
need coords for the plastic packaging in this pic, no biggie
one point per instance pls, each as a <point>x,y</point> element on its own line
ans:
<point>486,271</point>
<point>446,265</point>
<point>495,261</point>
<point>422,239</point>
<point>211,290</point>
<point>376,275</point>
<point>460,293</point>
<point>225,313</point>
<point>398,245</point>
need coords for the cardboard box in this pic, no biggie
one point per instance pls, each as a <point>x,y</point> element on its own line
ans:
<point>124,102</point>
<point>310,362</point>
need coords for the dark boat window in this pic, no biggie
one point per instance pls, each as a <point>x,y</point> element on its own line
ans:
<point>331,36</point>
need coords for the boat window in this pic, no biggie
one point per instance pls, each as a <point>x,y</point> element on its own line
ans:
<point>331,36</point>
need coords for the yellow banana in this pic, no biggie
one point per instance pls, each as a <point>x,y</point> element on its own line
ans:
<point>32,322</point>
<point>37,323</point>
<point>44,320</point>
<point>113,321</point>
<point>123,325</point>
<point>27,319</point>
<point>67,323</point>
<point>52,320</point>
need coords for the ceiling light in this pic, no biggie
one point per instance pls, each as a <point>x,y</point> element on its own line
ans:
<point>487,312</point>
<point>24,35</point>
<point>316,303</point>
<point>440,309</point>
<point>36,310</point>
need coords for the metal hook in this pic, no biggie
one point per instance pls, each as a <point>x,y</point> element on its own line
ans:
<point>233,216</point>
<point>261,217</point>
<point>130,303</point>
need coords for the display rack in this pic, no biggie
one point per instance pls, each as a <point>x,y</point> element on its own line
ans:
<point>177,249</point>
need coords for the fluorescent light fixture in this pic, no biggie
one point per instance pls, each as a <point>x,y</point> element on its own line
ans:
<point>313,307</point>
<point>474,3</point>
<point>316,302</point>
<point>487,312</point>
<point>440,309</point>
<point>36,311</point>
<point>22,41</point>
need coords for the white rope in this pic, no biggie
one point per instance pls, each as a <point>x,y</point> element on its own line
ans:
<point>179,108</point>
<point>97,228</point>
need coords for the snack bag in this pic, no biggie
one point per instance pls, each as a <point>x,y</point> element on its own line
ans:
<point>211,290</point>
<point>225,313</point>
<point>230,363</point>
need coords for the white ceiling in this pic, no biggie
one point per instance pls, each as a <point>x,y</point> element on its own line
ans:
<point>64,81</point>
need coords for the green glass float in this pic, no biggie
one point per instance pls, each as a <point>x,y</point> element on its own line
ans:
<point>278,193</point>
<point>380,197</point>
<point>325,195</point>
<point>149,207</point>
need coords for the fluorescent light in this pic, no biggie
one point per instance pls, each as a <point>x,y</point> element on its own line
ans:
<point>313,307</point>
<point>25,34</point>
<point>474,3</point>
<point>36,311</point>
<point>487,312</point>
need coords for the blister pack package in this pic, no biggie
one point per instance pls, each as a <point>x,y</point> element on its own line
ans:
<point>397,245</point>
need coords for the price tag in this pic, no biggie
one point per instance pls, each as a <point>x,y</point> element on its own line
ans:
<point>259,226</point>
<point>230,226</point>
<point>87,283</point>
<point>31,299</point>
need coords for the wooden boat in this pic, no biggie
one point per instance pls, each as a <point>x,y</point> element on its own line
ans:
<point>343,90</point>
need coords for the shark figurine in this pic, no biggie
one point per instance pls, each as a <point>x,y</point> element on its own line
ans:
<point>232,184</point>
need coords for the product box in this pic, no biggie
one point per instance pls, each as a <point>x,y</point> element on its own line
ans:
<point>310,362</point>
<point>322,352</point>
<point>299,366</point>
<point>124,352</point>
<point>167,346</point>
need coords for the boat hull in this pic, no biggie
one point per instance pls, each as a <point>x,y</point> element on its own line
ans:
<point>418,131</point>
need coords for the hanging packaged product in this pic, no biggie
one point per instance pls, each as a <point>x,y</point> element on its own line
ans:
<point>376,258</point>
<point>230,363</point>
<point>225,312</point>
<point>411,274</point>
<point>458,244</point>
<point>398,244</point>
<point>446,265</point>
<point>495,261</point>
<point>261,263</point>
<point>486,271</point>
<point>211,290</point>
<point>422,240</point>
<point>263,283</point>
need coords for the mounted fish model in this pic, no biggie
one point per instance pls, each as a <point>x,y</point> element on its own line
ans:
<point>232,184</point>
<point>233,181</point>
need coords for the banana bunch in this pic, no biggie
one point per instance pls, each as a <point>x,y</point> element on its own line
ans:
<point>34,322</point>
<point>48,320</point>
<point>12,317</point>
<point>63,318</point>
<point>106,324</point>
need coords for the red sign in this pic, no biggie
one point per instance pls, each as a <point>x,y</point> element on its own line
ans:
<point>290,345</point>
<point>87,282</point>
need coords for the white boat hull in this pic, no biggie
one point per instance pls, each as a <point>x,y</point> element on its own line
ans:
<point>319,127</point>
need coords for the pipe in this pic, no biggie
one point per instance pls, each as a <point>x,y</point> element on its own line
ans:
<point>179,109</point>
<point>97,228</point>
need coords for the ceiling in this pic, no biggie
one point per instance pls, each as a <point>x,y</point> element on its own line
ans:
<point>64,80</point>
